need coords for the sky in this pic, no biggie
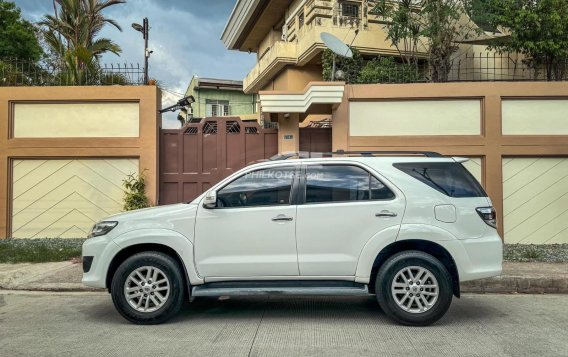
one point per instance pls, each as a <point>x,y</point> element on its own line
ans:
<point>184,35</point>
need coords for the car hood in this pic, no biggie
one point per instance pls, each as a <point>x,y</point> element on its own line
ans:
<point>177,217</point>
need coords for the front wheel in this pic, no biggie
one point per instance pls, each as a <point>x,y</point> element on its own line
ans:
<point>414,288</point>
<point>147,288</point>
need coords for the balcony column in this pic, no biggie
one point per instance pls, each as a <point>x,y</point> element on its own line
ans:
<point>288,132</point>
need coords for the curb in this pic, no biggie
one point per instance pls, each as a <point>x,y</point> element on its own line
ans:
<point>497,285</point>
<point>516,285</point>
<point>63,287</point>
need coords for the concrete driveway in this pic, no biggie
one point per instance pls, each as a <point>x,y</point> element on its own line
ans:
<point>84,324</point>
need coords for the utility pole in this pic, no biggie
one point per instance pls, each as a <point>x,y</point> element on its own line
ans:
<point>145,30</point>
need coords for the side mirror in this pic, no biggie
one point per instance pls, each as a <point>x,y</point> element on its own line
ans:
<point>210,200</point>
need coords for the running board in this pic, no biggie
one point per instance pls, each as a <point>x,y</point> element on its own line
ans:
<point>247,288</point>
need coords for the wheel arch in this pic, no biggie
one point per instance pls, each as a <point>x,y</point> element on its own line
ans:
<point>426,246</point>
<point>131,250</point>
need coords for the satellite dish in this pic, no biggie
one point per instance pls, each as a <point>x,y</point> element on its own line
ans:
<point>336,45</point>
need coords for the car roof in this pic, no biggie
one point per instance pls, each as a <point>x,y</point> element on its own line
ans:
<point>370,160</point>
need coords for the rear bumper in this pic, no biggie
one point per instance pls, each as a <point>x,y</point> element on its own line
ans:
<point>477,258</point>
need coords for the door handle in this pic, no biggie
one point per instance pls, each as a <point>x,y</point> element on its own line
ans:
<point>386,214</point>
<point>282,218</point>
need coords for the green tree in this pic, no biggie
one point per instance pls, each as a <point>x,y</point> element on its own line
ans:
<point>404,28</point>
<point>17,36</point>
<point>441,24</point>
<point>538,29</point>
<point>72,32</point>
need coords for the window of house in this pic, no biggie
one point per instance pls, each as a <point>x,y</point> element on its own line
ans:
<point>350,9</point>
<point>216,108</point>
<point>269,187</point>
<point>301,20</point>
<point>343,183</point>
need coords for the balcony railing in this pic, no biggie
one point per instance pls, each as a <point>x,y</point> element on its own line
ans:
<point>474,67</point>
<point>18,72</point>
<point>279,54</point>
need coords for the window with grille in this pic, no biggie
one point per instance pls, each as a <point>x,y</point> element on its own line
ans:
<point>216,108</point>
<point>349,9</point>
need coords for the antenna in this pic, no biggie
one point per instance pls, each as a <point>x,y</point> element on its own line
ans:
<point>338,48</point>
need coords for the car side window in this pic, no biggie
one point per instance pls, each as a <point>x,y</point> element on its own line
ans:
<point>268,187</point>
<point>343,183</point>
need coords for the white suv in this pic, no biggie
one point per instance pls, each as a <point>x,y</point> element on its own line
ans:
<point>405,228</point>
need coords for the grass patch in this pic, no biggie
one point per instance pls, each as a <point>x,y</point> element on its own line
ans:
<point>39,250</point>
<point>544,253</point>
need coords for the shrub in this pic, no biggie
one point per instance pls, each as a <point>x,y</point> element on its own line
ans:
<point>135,192</point>
<point>351,67</point>
<point>386,70</point>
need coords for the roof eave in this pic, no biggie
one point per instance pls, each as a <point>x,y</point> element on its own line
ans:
<point>240,16</point>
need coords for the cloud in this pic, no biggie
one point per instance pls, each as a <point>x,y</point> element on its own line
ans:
<point>184,35</point>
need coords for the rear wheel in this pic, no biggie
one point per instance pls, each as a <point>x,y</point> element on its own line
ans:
<point>147,288</point>
<point>414,288</point>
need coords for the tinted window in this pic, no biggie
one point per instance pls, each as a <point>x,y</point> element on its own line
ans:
<point>379,191</point>
<point>450,178</point>
<point>258,188</point>
<point>343,183</point>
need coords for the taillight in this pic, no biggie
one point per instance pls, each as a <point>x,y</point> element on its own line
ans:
<point>488,215</point>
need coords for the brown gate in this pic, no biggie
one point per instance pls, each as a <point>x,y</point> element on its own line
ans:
<point>199,155</point>
<point>315,139</point>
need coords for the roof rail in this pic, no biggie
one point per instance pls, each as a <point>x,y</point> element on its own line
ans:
<point>306,154</point>
<point>389,152</point>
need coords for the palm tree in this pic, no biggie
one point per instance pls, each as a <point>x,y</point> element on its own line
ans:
<point>71,33</point>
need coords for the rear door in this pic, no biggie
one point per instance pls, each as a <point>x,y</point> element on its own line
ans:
<point>343,206</point>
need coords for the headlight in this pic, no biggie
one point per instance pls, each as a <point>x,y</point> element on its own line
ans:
<point>102,228</point>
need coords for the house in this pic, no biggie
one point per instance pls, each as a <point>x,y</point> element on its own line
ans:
<point>220,97</point>
<point>285,35</point>
<point>514,132</point>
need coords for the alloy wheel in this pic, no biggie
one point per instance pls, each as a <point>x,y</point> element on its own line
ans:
<point>147,289</point>
<point>415,289</point>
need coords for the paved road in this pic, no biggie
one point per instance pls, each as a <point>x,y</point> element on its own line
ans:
<point>84,324</point>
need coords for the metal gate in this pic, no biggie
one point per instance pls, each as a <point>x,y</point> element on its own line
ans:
<point>197,156</point>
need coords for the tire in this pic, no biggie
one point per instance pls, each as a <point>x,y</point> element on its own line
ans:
<point>393,290</point>
<point>157,302</point>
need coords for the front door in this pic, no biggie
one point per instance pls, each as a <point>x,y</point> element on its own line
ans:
<point>251,232</point>
<point>345,206</point>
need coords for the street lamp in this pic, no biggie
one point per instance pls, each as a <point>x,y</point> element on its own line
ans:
<point>182,103</point>
<point>145,29</point>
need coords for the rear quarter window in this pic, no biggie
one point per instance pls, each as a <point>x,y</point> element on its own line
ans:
<point>449,178</point>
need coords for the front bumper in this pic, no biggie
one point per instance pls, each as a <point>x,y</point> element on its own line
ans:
<point>102,249</point>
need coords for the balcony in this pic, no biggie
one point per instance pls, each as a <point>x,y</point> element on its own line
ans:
<point>279,55</point>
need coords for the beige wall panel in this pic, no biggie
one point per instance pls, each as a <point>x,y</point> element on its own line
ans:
<point>535,117</point>
<point>474,167</point>
<point>76,120</point>
<point>415,117</point>
<point>535,199</point>
<point>64,198</point>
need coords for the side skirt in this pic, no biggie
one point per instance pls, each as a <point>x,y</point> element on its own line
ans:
<point>276,287</point>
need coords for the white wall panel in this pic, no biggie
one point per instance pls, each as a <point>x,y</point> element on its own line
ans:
<point>64,198</point>
<point>415,117</point>
<point>535,199</point>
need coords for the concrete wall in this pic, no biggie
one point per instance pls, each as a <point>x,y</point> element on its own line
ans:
<point>516,133</point>
<point>66,150</point>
